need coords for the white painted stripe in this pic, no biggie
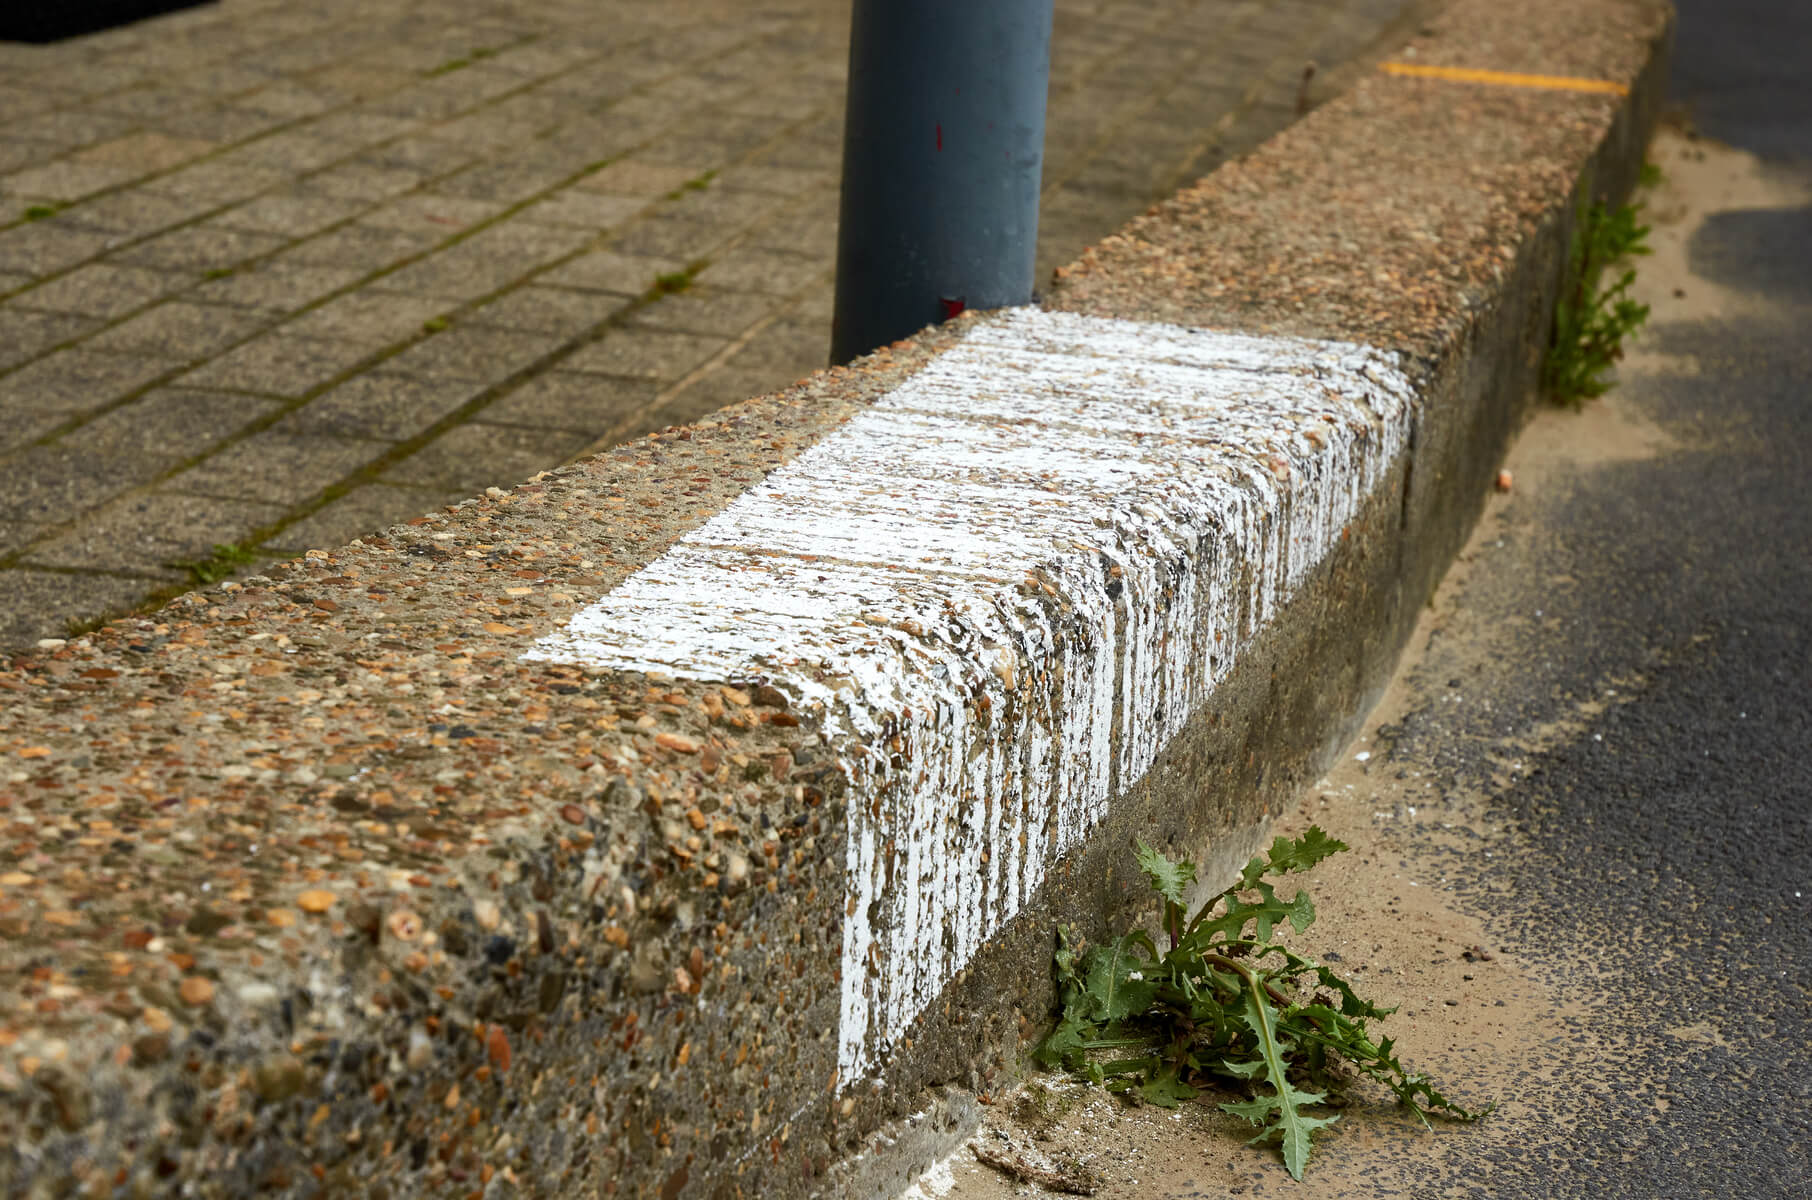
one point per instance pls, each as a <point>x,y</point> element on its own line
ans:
<point>1002,589</point>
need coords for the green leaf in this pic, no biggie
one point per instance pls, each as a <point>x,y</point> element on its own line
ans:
<point>1351,1004</point>
<point>1168,878</point>
<point>1166,1089</point>
<point>1304,852</point>
<point>1115,982</point>
<point>1301,911</point>
<point>1065,1044</point>
<point>1292,1126</point>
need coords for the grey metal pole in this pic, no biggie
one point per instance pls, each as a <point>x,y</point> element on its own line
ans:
<point>943,152</point>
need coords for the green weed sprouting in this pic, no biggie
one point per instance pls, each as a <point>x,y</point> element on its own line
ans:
<point>1225,1003</point>
<point>1591,321</point>
<point>225,560</point>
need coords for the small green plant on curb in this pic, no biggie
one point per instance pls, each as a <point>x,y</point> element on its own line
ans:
<point>1224,1002</point>
<point>1591,320</point>
<point>217,566</point>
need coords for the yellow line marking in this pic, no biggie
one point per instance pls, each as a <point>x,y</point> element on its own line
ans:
<point>1557,83</point>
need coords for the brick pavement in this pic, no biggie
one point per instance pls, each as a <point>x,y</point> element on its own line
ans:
<point>273,275</point>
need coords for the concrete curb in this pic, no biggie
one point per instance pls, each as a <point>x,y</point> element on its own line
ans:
<point>677,823</point>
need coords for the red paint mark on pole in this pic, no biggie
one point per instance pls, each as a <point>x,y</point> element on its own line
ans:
<point>940,135</point>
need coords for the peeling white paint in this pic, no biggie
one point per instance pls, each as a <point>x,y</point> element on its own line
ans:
<point>1003,588</point>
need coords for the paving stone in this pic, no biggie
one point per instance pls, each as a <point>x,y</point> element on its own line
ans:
<point>18,153</point>
<point>645,353</point>
<point>362,246</point>
<point>749,269</point>
<point>288,214</point>
<point>459,272</point>
<point>65,181</point>
<point>357,81</point>
<point>217,185</point>
<point>59,482</point>
<point>276,285</point>
<point>591,404</point>
<point>69,128</point>
<point>474,457</point>
<point>200,248</point>
<point>368,508</point>
<point>559,312</point>
<point>508,183</point>
<point>103,290</point>
<point>16,535</point>
<point>781,181</point>
<point>662,236</point>
<point>442,97</point>
<point>432,157</point>
<point>789,348</point>
<point>42,604</point>
<point>733,208</point>
<point>22,427</point>
<point>155,534</point>
<point>380,406</point>
<point>277,467</point>
<point>362,181</point>
<point>705,310</point>
<point>608,271</point>
<point>177,329</point>
<point>75,381</point>
<point>286,150</point>
<point>543,58</point>
<point>352,130</point>
<point>705,396</point>
<point>493,129</point>
<point>144,152</point>
<point>169,424</point>
<point>222,123</point>
<point>280,364</point>
<point>432,213</point>
<point>595,211</point>
<point>134,212</point>
<point>629,177</point>
<point>472,354</point>
<point>486,261</point>
<point>369,318</point>
<point>25,334</point>
<point>41,248</point>
<point>712,153</point>
<point>286,99</point>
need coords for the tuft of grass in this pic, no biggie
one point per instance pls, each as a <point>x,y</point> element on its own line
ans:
<point>1592,318</point>
<point>226,559</point>
<point>1224,1003</point>
<point>39,212</point>
<point>217,273</point>
<point>435,325</point>
<point>696,184</point>
<point>674,282</point>
<point>476,54</point>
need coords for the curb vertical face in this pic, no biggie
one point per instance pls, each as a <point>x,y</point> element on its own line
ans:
<point>1001,591</point>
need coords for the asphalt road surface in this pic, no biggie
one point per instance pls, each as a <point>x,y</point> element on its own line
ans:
<point>1600,754</point>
